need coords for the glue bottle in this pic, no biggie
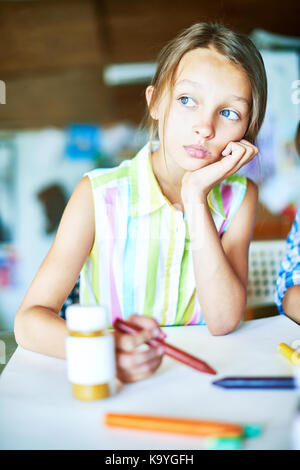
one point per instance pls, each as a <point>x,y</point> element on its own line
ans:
<point>89,352</point>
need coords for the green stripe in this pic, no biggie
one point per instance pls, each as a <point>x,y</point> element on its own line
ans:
<point>95,270</point>
<point>189,311</point>
<point>183,283</point>
<point>152,262</point>
<point>217,194</point>
<point>237,178</point>
<point>108,177</point>
<point>169,260</point>
<point>85,294</point>
<point>187,234</point>
<point>134,187</point>
<point>209,200</point>
<point>154,243</point>
<point>157,197</point>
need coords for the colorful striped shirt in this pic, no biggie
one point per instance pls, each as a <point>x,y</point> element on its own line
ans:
<point>141,260</point>
<point>289,272</point>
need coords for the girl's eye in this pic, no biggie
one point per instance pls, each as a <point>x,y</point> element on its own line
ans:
<point>187,101</point>
<point>234,115</point>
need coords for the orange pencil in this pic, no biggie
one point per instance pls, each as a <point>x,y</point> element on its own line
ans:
<point>170,424</point>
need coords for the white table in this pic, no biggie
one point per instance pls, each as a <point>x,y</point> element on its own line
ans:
<point>37,410</point>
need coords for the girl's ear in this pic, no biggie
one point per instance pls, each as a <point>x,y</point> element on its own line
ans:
<point>152,110</point>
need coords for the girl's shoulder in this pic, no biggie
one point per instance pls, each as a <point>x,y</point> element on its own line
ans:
<point>100,178</point>
<point>121,177</point>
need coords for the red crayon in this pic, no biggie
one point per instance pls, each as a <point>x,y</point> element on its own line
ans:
<point>171,351</point>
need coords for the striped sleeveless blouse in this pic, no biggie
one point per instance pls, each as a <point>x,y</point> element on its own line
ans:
<point>141,261</point>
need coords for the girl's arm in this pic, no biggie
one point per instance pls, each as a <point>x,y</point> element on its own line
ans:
<point>38,326</point>
<point>291,303</point>
<point>221,266</point>
<point>37,323</point>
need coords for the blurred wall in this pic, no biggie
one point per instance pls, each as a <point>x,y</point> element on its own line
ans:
<point>39,162</point>
<point>52,51</point>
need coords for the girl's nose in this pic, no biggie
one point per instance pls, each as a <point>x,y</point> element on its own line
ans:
<point>204,130</point>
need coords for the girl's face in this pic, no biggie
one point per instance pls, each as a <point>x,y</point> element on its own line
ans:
<point>210,107</point>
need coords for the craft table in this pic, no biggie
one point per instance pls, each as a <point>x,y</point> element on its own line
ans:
<point>37,410</point>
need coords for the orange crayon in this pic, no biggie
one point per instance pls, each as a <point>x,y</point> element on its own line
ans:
<point>196,427</point>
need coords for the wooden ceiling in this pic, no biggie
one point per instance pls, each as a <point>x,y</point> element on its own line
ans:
<point>52,51</point>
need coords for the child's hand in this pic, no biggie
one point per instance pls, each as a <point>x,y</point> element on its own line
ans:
<point>200,182</point>
<point>134,364</point>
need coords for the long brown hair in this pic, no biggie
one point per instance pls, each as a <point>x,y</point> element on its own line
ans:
<point>235,46</point>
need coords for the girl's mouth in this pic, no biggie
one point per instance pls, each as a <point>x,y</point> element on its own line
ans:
<point>196,151</point>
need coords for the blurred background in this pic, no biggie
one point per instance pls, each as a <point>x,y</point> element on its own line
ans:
<point>72,81</point>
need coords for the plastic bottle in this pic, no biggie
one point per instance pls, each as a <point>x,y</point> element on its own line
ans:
<point>90,352</point>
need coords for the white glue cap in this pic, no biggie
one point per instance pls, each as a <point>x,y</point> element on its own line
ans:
<point>86,318</point>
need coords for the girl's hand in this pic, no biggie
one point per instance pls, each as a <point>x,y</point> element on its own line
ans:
<point>200,182</point>
<point>134,364</point>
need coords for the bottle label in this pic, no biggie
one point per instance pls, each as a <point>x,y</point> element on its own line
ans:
<point>90,361</point>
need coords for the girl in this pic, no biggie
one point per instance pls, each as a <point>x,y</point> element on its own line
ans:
<point>163,238</point>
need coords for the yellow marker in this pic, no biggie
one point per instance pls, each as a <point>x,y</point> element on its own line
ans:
<point>291,354</point>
